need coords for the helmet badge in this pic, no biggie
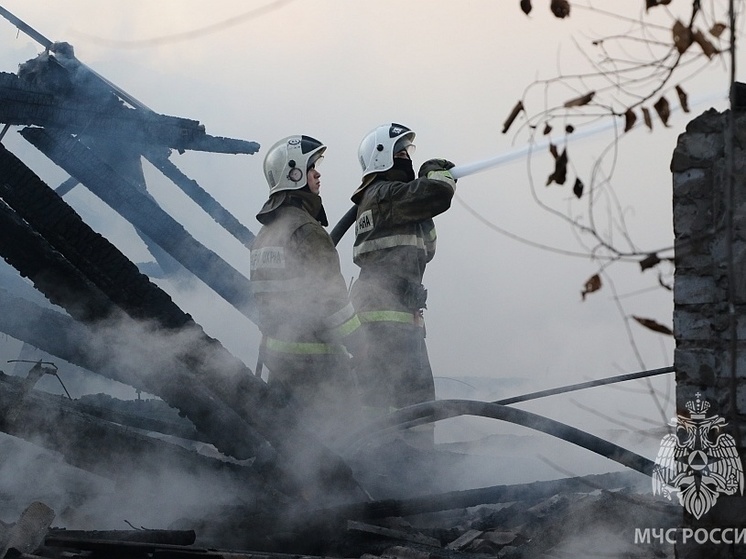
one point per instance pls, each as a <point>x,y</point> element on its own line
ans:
<point>295,174</point>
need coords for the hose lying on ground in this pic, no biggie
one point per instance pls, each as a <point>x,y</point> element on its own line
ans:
<point>444,409</point>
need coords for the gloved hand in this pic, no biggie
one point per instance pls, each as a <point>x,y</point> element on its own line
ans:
<point>434,165</point>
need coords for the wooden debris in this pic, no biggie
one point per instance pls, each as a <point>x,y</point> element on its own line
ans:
<point>391,533</point>
<point>171,537</point>
<point>464,539</point>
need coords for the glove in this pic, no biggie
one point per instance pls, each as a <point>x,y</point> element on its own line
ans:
<point>434,165</point>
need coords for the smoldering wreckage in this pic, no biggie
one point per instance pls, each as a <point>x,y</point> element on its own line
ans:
<point>290,494</point>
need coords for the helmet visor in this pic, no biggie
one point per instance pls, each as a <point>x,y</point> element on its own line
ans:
<point>315,161</point>
<point>406,150</point>
<point>404,146</point>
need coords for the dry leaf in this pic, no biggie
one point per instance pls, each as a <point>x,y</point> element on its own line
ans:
<point>707,47</point>
<point>513,114</point>
<point>577,189</point>
<point>653,3</point>
<point>653,325</point>
<point>646,118</point>
<point>662,108</point>
<point>649,261</point>
<point>526,6</point>
<point>553,151</point>
<point>547,128</point>
<point>560,170</point>
<point>593,284</point>
<point>717,30</point>
<point>580,101</point>
<point>560,8</point>
<point>683,99</point>
<point>629,120</point>
<point>682,37</point>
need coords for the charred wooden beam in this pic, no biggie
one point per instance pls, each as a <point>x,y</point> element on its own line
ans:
<point>88,251</point>
<point>474,497</point>
<point>64,285</point>
<point>170,537</point>
<point>81,163</point>
<point>391,533</point>
<point>101,447</point>
<point>183,429</point>
<point>51,273</point>
<point>108,548</point>
<point>203,198</point>
<point>132,550</point>
<point>39,326</point>
<point>103,115</point>
<point>53,332</point>
<point>58,334</point>
<point>200,378</point>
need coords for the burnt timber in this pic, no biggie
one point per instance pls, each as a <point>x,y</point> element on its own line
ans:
<point>64,104</point>
<point>82,272</point>
<point>67,427</point>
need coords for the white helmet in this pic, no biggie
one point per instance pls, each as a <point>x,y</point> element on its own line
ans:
<point>288,160</point>
<point>376,151</point>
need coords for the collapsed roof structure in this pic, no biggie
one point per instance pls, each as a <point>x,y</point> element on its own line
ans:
<point>304,498</point>
<point>98,134</point>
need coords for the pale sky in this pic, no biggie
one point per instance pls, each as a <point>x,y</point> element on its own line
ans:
<point>451,71</point>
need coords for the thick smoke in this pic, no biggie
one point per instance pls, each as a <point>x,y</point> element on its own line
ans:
<point>479,452</point>
<point>147,491</point>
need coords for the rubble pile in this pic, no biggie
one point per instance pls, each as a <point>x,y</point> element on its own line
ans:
<point>590,523</point>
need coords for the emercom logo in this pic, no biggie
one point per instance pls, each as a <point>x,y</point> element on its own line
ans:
<point>697,461</point>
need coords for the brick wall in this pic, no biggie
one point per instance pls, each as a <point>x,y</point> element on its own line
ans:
<point>703,324</point>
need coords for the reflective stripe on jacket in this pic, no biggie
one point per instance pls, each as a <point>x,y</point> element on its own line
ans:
<point>401,317</point>
<point>303,348</point>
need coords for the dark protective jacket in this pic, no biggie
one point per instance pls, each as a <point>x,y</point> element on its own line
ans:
<point>303,308</point>
<point>395,238</point>
<point>297,283</point>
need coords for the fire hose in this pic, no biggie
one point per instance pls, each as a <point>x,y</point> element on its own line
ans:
<point>482,165</point>
<point>442,409</point>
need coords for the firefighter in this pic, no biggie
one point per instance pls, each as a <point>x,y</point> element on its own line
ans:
<point>304,311</point>
<point>394,241</point>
